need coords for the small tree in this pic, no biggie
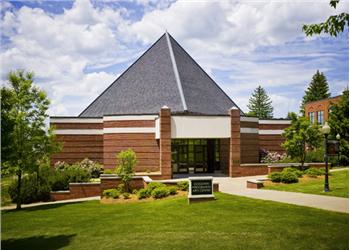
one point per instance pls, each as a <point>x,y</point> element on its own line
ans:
<point>25,140</point>
<point>300,137</point>
<point>339,123</point>
<point>260,104</point>
<point>127,161</point>
<point>317,90</point>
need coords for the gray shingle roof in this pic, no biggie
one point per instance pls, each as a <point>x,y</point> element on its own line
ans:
<point>151,83</point>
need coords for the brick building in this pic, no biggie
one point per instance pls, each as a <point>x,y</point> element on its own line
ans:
<point>318,111</point>
<point>172,114</point>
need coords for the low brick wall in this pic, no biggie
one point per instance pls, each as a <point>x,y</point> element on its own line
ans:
<point>77,190</point>
<point>250,170</point>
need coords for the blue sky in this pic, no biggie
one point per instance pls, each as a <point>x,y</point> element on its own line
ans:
<point>77,48</point>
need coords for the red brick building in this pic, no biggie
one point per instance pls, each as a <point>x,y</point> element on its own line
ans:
<point>173,115</point>
<point>318,111</point>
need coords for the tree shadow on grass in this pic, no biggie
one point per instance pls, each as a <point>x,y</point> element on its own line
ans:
<point>37,242</point>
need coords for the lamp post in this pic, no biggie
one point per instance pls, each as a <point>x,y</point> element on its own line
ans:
<point>338,139</point>
<point>325,131</point>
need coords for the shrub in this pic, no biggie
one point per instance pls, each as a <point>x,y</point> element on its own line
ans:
<point>183,185</point>
<point>293,170</point>
<point>71,173</point>
<point>153,185</point>
<point>59,165</point>
<point>160,192</point>
<point>143,193</point>
<point>111,193</point>
<point>314,172</point>
<point>94,168</point>
<point>34,187</point>
<point>316,155</point>
<point>121,188</point>
<point>273,157</point>
<point>289,177</point>
<point>275,177</point>
<point>172,190</point>
<point>126,195</point>
<point>134,191</point>
<point>127,161</point>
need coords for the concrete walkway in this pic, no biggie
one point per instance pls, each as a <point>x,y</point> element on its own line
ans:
<point>52,203</point>
<point>238,186</point>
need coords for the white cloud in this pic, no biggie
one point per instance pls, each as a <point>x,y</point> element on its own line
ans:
<point>70,51</point>
<point>60,48</point>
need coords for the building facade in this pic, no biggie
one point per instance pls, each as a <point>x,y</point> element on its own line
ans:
<point>173,115</point>
<point>318,111</point>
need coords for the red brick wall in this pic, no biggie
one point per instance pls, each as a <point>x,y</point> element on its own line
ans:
<point>165,142</point>
<point>249,143</point>
<point>144,144</point>
<point>250,170</point>
<point>77,147</point>
<point>272,142</point>
<point>77,190</point>
<point>235,142</point>
<point>321,105</point>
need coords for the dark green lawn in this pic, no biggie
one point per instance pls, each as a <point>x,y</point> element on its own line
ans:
<point>338,183</point>
<point>230,222</point>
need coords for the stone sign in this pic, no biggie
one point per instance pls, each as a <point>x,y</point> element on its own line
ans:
<point>200,188</point>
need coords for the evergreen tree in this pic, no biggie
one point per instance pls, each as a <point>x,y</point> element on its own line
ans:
<point>317,90</point>
<point>260,104</point>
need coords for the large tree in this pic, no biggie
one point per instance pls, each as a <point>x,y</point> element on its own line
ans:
<point>260,104</point>
<point>339,123</point>
<point>318,89</point>
<point>333,25</point>
<point>25,141</point>
<point>301,136</point>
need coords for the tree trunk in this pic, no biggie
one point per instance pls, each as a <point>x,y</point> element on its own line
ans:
<point>19,182</point>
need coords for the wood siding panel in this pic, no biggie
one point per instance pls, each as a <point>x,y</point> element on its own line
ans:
<point>249,124</point>
<point>273,126</point>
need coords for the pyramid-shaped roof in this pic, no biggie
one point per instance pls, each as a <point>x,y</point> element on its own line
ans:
<point>164,75</point>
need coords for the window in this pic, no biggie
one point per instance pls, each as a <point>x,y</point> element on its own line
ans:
<point>320,117</point>
<point>312,117</point>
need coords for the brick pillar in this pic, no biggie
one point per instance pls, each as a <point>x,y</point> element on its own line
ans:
<point>235,141</point>
<point>165,142</point>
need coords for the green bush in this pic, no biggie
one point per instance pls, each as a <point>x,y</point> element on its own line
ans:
<point>183,185</point>
<point>111,193</point>
<point>293,170</point>
<point>172,190</point>
<point>71,173</point>
<point>126,195</point>
<point>121,188</point>
<point>94,168</point>
<point>153,185</point>
<point>143,193</point>
<point>275,177</point>
<point>316,155</point>
<point>314,172</point>
<point>34,187</point>
<point>289,177</point>
<point>160,192</point>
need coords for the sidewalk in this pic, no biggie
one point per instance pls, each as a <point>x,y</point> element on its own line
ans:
<point>238,186</point>
<point>51,203</point>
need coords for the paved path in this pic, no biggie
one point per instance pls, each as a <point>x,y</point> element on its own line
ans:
<point>51,203</point>
<point>237,186</point>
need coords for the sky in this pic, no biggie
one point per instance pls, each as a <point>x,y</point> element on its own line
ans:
<point>78,48</point>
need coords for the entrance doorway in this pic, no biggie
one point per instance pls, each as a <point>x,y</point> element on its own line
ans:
<point>195,155</point>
